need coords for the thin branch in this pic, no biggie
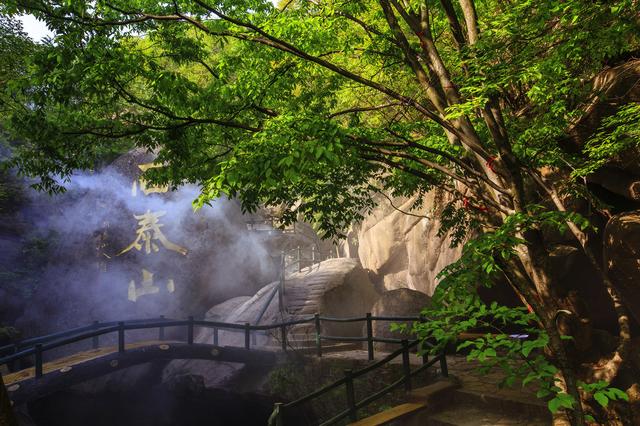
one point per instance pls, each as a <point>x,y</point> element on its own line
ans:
<point>363,109</point>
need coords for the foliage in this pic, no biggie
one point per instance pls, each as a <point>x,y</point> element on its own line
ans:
<point>25,276</point>
<point>15,47</point>
<point>226,109</point>
<point>11,195</point>
<point>617,135</point>
<point>317,105</point>
<point>514,341</point>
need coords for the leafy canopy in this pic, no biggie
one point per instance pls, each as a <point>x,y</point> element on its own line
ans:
<point>307,104</point>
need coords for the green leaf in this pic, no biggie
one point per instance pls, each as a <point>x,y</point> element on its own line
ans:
<point>601,398</point>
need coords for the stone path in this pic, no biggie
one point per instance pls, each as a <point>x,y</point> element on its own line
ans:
<point>488,384</point>
<point>479,401</point>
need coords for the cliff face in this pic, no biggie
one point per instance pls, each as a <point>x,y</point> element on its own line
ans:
<point>402,250</point>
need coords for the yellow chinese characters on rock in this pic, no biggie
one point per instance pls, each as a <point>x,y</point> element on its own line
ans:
<point>149,238</point>
<point>147,286</point>
<point>149,231</point>
<point>144,185</point>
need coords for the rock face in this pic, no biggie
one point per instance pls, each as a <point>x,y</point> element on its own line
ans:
<point>622,258</point>
<point>401,250</point>
<point>333,288</point>
<point>399,302</point>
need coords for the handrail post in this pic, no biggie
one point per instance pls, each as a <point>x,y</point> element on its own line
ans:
<point>281,284</point>
<point>190,331</point>
<point>161,330</point>
<point>313,255</point>
<point>425,354</point>
<point>215,336</point>
<point>369,336</point>
<point>247,335</point>
<point>299,259</point>
<point>12,364</point>
<point>254,338</point>
<point>277,416</point>
<point>443,364</point>
<point>406,366</point>
<point>121,337</point>
<point>318,335</point>
<point>351,397</point>
<point>38,354</point>
<point>95,341</point>
<point>283,337</point>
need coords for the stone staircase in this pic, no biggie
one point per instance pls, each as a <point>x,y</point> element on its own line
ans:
<point>445,403</point>
<point>470,408</point>
<point>304,289</point>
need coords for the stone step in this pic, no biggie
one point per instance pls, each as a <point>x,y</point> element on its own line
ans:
<point>419,401</point>
<point>443,403</point>
<point>533,407</point>
<point>470,415</point>
<point>471,408</point>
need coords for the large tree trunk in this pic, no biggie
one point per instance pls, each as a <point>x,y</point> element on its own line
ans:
<point>582,358</point>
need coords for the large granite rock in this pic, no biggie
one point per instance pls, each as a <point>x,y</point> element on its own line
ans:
<point>622,258</point>
<point>404,250</point>
<point>333,288</point>
<point>395,303</point>
<point>224,310</point>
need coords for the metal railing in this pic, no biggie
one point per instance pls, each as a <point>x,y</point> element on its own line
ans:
<point>279,413</point>
<point>36,348</point>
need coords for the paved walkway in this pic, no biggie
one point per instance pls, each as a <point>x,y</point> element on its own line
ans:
<point>463,370</point>
<point>489,384</point>
<point>480,401</point>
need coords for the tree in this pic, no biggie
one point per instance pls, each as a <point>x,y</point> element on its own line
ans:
<point>14,45</point>
<point>317,105</point>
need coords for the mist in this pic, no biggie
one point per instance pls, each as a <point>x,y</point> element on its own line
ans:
<point>111,252</point>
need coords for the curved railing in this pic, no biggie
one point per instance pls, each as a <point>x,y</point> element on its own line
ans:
<point>36,347</point>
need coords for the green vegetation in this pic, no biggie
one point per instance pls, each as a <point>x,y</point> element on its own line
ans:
<point>318,105</point>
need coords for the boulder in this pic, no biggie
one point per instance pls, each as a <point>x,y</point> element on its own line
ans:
<point>211,374</point>
<point>222,311</point>
<point>396,303</point>
<point>622,258</point>
<point>404,250</point>
<point>334,288</point>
